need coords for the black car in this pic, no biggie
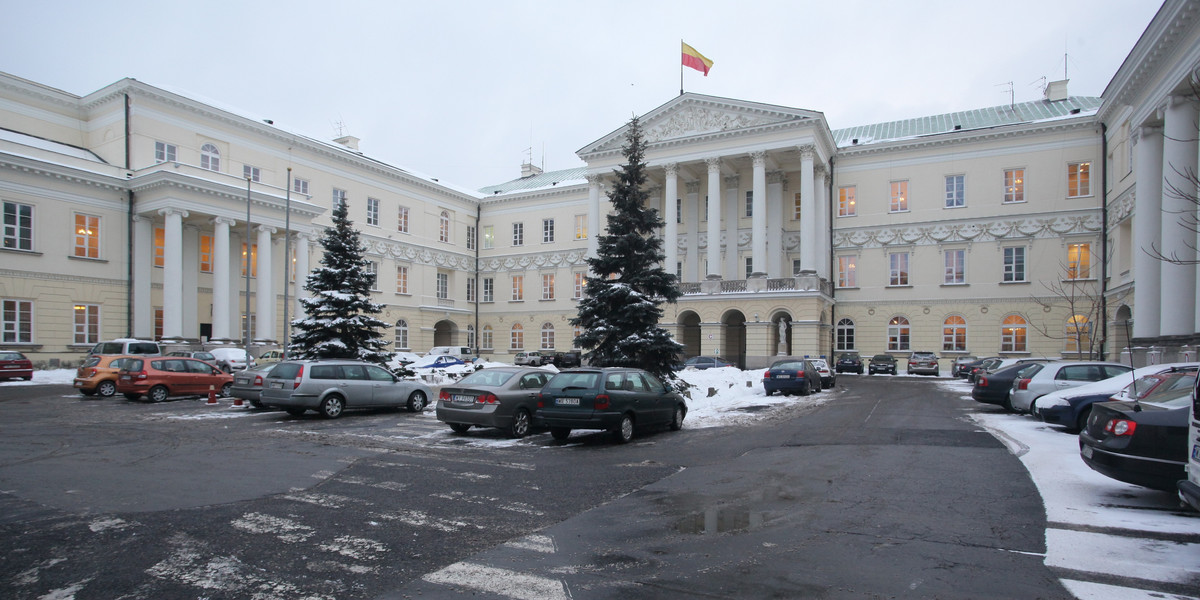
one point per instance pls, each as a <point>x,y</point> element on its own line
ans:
<point>1144,442</point>
<point>567,360</point>
<point>612,398</point>
<point>792,375</point>
<point>882,363</point>
<point>995,388</point>
<point>849,363</point>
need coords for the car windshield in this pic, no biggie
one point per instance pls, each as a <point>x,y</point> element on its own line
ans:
<point>489,377</point>
<point>788,364</point>
<point>1171,398</point>
<point>882,357</point>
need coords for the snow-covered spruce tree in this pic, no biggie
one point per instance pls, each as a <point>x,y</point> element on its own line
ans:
<point>339,321</point>
<point>619,312</point>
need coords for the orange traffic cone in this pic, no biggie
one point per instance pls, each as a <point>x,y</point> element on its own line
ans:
<point>238,402</point>
<point>212,396</point>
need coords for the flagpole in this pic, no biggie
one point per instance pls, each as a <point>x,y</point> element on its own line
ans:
<point>681,70</point>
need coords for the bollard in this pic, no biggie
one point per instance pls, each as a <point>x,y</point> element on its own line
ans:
<point>212,396</point>
<point>237,402</point>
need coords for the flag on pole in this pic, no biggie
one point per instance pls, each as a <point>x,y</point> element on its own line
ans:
<point>695,60</point>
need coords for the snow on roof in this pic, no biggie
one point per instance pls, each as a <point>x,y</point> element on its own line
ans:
<point>8,135</point>
<point>549,179</point>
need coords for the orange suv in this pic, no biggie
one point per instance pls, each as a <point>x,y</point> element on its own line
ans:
<point>98,374</point>
<point>162,376</point>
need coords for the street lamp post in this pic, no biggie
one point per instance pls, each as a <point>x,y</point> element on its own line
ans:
<point>246,332</point>
<point>287,260</point>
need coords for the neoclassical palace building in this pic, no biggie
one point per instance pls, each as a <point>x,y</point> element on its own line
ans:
<point>1032,229</point>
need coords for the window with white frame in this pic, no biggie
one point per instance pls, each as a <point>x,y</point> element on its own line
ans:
<point>518,287</point>
<point>581,227</point>
<point>844,338</point>
<point>164,152</point>
<point>847,271</point>
<point>1079,261</point>
<point>160,248</point>
<point>796,204</point>
<point>547,286</point>
<point>252,173</point>
<point>485,338</point>
<point>749,266</point>
<point>471,237</point>
<point>373,273</point>
<point>750,203</point>
<point>444,226</point>
<point>300,186</point>
<point>580,282</point>
<point>402,219</point>
<point>956,266</point>
<point>679,210</point>
<point>1014,185</point>
<point>210,157</point>
<point>516,339</point>
<point>87,323</point>
<point>16,321</point>
<point>18,226</point>
<point>898,334</point>
<point>847,203</point>
<point>443,286</point>
<point>489,289</point>
<point>547,231</point>
<point>401,334</point>
<point>1078,334</point>
<point>1079,179</point>
<point>471,283</point>
<point>373,211</point>
<point>518,238</point>
<point>954,334</point>
<point>898,268</point>
<point>471,336</point>
<point>489,237</point>
<point>899,201</point>
<point>547,336</point>
<point>1014,264</point>
<point>796,268</point>
<point>401,279</point>
<point>206,253</point>
<point>87,236</point>
<point>1012,334</point>
<point>956,191</point>
<point>339,198</point>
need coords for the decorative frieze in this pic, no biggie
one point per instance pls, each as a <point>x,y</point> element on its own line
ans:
<point>695,120</point>
<point>940,233</point>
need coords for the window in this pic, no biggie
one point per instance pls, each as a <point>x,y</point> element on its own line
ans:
<point>576,331</point>
<point>844,338</point>
<point>471,237</point>
<point>516,340</point>
<point>547,336</point>
<point>300,186</point>
<point>402,220</point>
<point>253,260</point>
<point>18,226</point>
<point>898,334</point>
<point>373,211</point>
<point>847,205</point>
<point>401,279</point>
<point>1078,334</point>
<point>443,286</point>
<point>749,266</point>
<point>547,286</point>
<point>750,203</point>
<point>160,245</point>
<point>471,336</point>
<point>954,334</point>
<point>87,323</point>
<point>471,283</point>
<point>796,268</point>
<point>1014,264</point>
<point>87,236</point>
<point>898,268</point>
<point>372,272</point>
<point>401,334</point>
<point>164,152</point>
<point>1012,334</point>
<point>518,287</point>
<point>444,227</point>
<point>899,196</point>
<point>956,191</point>
<point>485,339</point>
<point>489,289</point>
<point>580,282</point>
<point>679,210</point>
<point>16,323</point>
<point>1079,261</point>
<point>581,227</point>
<point>796,207</point>
<point>210,157</point>
<point>1014,185</point>
<point>1079,180</point>
<point>489,237</point>
<point>956,267</point>
<point>547,231</point>
<point>339,198</point>
<point>252,173</point>
<point>518,234</point>
<point>206,254</point>
<point>847,271</point>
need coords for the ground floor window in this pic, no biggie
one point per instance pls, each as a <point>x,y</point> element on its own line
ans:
<point>844,337</point>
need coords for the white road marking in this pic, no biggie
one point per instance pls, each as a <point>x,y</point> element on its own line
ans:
<point>537,543</point>
<point>284,529</point>
<point>356,547</point>
<point>417,518</point>
<point>501,582</point>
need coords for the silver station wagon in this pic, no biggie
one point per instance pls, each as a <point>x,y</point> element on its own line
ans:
<point>332,386</point>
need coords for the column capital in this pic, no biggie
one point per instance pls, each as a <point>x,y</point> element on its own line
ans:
<point>807,152</point>
<point>759,158</point>
<point>714,163</point>
<point>1145,130</point>
<point>224,221</point>
<point>166,212</point>
<point>594,179</point>
<point>265,229</point>
<point>819,171</point>
<point>672,169</point>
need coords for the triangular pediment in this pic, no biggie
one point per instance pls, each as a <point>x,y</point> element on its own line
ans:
<point>694,116</point>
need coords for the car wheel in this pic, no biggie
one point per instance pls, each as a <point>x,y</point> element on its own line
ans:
<point>106,389</point>
<point>459,427</point>
<point>1033,408</point>
<point>132,396</point>
<point>159,393</point>
<point>624,432</point>
<point>805,390</point>
<point>416,402</point>
<point>560,433</point>
<point>225,390</point>
<point>769,392</point>
<point>677,419</point>
<point>332,406</point>
<point>520,424</point>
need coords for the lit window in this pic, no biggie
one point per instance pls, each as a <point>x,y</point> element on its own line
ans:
<point>899,196</point>
<point>547,336</point>
<point>210,157</point>
<point>796,203</point>
<point>87,323</point>
<point>576,331</point>
<point>518,287</point>
<point>18,226</point>
<point>517,337</point>
<point>1079,179</point>
<point>1079,261</point>
<point>1078,334</point>
<point>402,222</point>
<point>401,279</point>
<point>847,204</point>
<point>206,254</point>
<point>547,286</point>
<point>956,191</point>
<point>1014,185</point>
<point>581,227</point>
<point>954,334</point>
<point>444,227</point>
<point>847,271</point>
<point>1012,334</point>
<point>898,334</point>
<point>160,245</point>
<point>87,236</point>
<point>253,260</point>
<point>489,237</point>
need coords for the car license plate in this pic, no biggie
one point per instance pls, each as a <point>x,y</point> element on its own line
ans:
<point>12,366</point>
<point>462,399</point>
<point>566,401</point>
<point>278,385</point>
<point>783,376</point>
<point>1086,451</point>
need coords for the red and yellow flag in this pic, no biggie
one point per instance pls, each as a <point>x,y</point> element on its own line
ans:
<point>695,60</point>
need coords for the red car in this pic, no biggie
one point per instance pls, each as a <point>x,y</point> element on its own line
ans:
<point>14,365</point>
<point>160,377</point>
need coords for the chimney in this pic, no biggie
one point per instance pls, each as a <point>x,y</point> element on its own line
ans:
<point>1056,91</point>
<point>348,141</point>
<point>529,170</point>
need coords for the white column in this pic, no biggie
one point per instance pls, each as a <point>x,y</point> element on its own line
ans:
<point>776,217</point>
<point>222,299</point>
<point>1178,301</point>
<point>143,271</point>
<point>714,218</point>
<point>691,222</point>
<point>733,207</point>
<point>758,221</point>
<point>808,213</point>
<point>593,215</point>
<point>1147,228</point>
<point>670,215</point>
<point>173,272</point>
<point>191,272</point>
<point>821,187</point>
<point>264,296</point>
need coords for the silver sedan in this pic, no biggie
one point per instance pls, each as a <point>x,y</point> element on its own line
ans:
<point>500,397</point>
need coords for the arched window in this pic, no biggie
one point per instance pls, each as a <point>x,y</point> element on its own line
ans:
<point>898,334</point>
<point>485,341</point>
<point>547,336</point>
<point>1012,334</point>
<point>845,334</point>
<point>517,337</point>
<point>210,157</point>
<point>471,336</point>
<point>401,334</point>
<point>444,227</point>
<point>1079,334</point>
<point>954,334</point>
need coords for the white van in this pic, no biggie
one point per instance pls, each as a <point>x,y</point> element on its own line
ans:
<point>463,352</point>
<point>127,346</point>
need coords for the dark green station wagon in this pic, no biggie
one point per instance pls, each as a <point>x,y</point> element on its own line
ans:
<point>611,399</point>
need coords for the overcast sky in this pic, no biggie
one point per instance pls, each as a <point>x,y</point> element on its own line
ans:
<point>461,91</point>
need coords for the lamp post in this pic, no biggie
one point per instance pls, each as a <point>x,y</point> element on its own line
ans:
<point>246,265</point>
<point>287,261</point>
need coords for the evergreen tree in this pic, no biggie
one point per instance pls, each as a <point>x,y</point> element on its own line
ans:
<point>620,311</point>
<point>340,321</point>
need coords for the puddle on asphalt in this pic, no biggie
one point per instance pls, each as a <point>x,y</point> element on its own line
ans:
<point>721,519</point>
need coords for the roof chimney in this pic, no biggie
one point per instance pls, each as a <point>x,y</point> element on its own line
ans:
<point>348,141</point>
<point>1056,91</point>
<point>529,170</point>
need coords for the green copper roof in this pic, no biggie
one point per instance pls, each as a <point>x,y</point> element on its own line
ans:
<point>543,180</point>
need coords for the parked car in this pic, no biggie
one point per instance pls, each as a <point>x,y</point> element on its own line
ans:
<point>828,376</point>
<point>849,362</point>
<point>161,377</point>
<point>127,346</point>
<point>14,365</point>
<point>1156,382</point>
<point>248,383</point>
<point>464,353</point>
<point>439,361</point>
<point>330,387</point>
<point>401,360</point>
<point>270,356</point>
<point>1070,408</point>
<point>1142,442</point>
<point>923,363</point>
<point>500,397</point>
<point>1058,375</point>
<point>792,375</point>
<point>882,363</point>
<point>611,398</point>
<point>204,356</point>
<point>98,375</point>
<point>232,359</point>
<point>961,367</point>
<point>530,359</point>
<point>996,388</point>
<point>982,367</point>
<point>567,360</point>
<point>702,363</point>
